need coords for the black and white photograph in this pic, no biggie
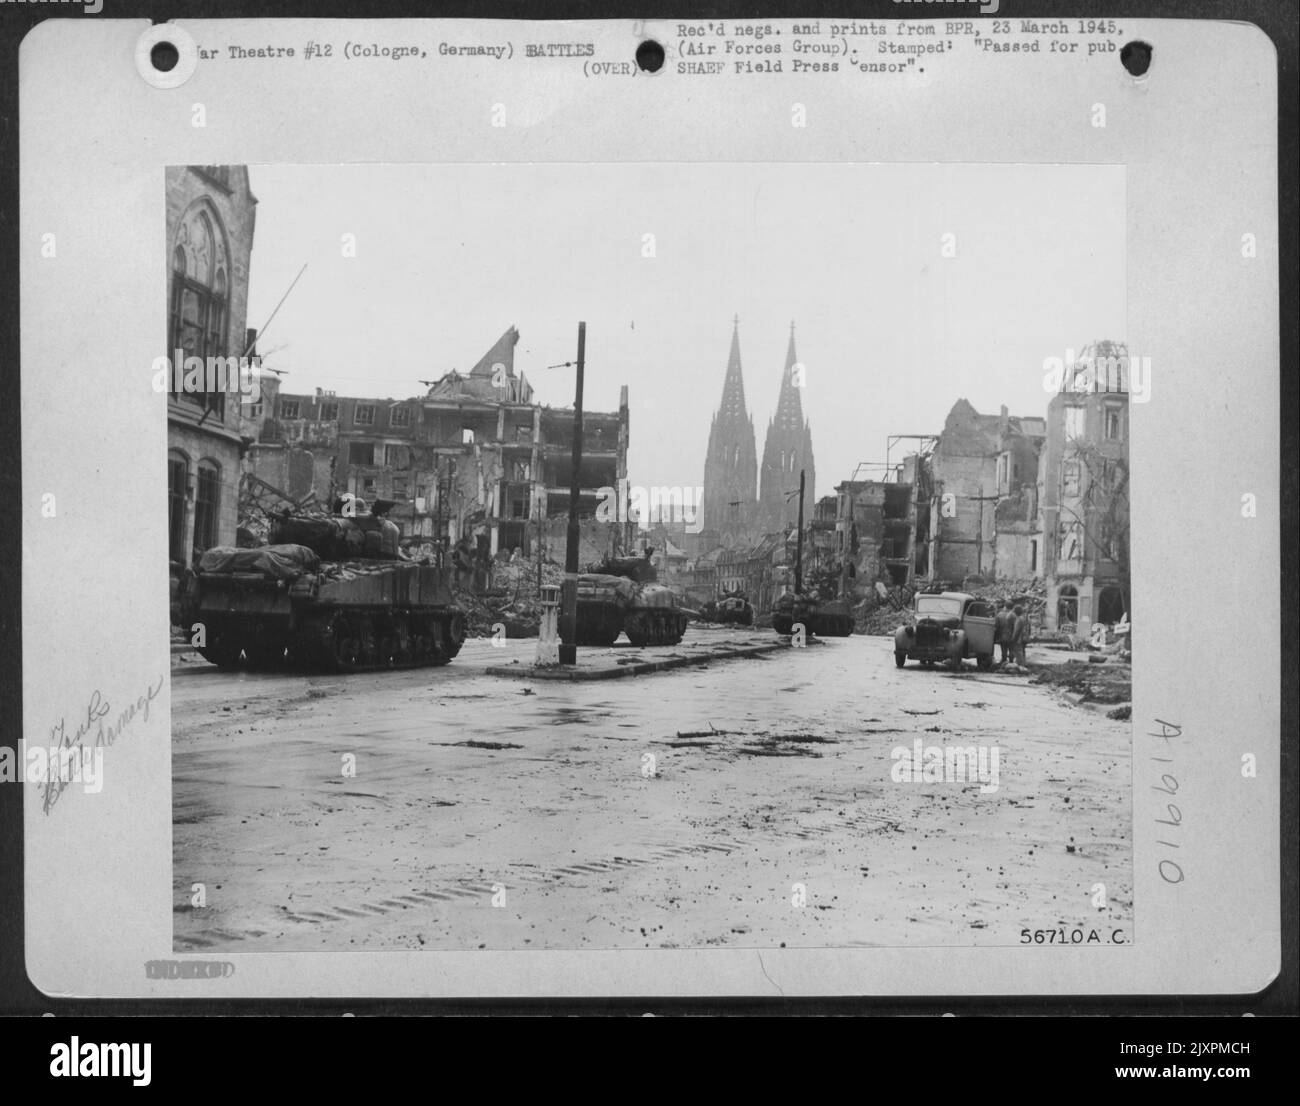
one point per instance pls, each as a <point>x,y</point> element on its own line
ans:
<point>675,556</point>
<point>693,510</point>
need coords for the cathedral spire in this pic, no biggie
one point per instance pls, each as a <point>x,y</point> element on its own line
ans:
<point>789,405</point>
<point>787,448</point>
<point>733,385</point>
<point>731,465</point>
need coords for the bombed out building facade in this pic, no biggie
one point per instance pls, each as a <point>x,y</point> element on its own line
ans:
<point>476,457</point>
<point>210,217</point>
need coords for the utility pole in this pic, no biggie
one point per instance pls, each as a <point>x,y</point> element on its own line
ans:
<point>798,556</point>
<point>569,598</point>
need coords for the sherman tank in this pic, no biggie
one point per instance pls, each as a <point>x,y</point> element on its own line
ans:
<point>829,619</point>
<point>622,595</point>
<point>327,594</point>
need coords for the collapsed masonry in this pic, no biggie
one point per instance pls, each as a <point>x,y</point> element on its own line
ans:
<point>475,457</point>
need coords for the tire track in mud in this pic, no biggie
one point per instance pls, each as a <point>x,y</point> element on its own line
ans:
<point>649,854</point>
<point>450,891</point>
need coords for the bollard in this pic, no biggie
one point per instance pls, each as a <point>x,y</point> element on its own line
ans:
<point>548,636</point>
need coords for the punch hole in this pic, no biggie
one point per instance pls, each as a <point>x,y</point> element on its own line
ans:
<point>166,56</point>
<point>650,56</point>
<point>1135,56</point>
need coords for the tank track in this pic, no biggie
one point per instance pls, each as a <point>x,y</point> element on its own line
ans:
<point>356,641</point>
<point>599,624</point>
<point>661,626</point>
<point>347,641</point>
<point>819,624</point>
<point>826,624</point>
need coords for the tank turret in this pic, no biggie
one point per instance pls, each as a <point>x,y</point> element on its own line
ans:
<point>622,595</point>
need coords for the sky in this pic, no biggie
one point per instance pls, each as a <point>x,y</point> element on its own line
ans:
<point>890,331</point>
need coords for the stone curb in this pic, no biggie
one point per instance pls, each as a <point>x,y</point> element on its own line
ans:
<point>527,672</point>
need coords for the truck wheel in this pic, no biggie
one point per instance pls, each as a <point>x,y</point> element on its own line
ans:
<point>900,659</point>
<point>985,661</point>
<point>954,662</point>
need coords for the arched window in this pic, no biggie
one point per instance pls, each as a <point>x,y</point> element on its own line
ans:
<point>178,483</point>
<point>1110,605</point>
<point>198,316</point>
<point>207,505</point>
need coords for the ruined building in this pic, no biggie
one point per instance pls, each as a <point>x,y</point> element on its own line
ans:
<point>1084,476</point>
<point>876,530</point>
<point>786,450</point>
<point>731,464</point>
<point>984,472</point>
<point>209,234</point>
<point>476,456</point>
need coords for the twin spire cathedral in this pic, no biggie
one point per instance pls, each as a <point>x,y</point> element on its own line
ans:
<point>735,501</point>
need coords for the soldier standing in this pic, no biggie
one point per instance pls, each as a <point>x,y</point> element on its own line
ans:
<point>1002,626</point>
<point>1019,635</point>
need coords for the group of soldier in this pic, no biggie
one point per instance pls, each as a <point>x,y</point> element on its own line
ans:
<point>1011,631</point>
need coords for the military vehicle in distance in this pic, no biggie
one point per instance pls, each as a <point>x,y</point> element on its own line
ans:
<point>829,619</point>
<point>622,595</point>
<point>327,594</point>
<point>733,610</point>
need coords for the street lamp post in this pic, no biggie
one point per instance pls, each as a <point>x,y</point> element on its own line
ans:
<point>569,601</point>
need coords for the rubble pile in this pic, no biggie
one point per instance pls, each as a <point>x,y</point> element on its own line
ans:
<point>1111,682</point>
<point>1031,593</point>
<point>881,620</point>
<point>880,614</point>
<point>510,601</point>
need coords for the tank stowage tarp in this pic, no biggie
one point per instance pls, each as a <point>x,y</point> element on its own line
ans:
<point>283,562</point>
<point>340,539</point>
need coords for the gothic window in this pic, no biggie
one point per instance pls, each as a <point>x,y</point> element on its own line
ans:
<point>178,480</point>
<point>1071,541</point>
<point>207,506</point>
<point>1112,423</point>
<point>1074,423</point>
<point>198,316</point>
<point>1070,474</point>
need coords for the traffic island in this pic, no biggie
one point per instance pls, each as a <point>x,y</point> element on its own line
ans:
<point>616,661</point>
